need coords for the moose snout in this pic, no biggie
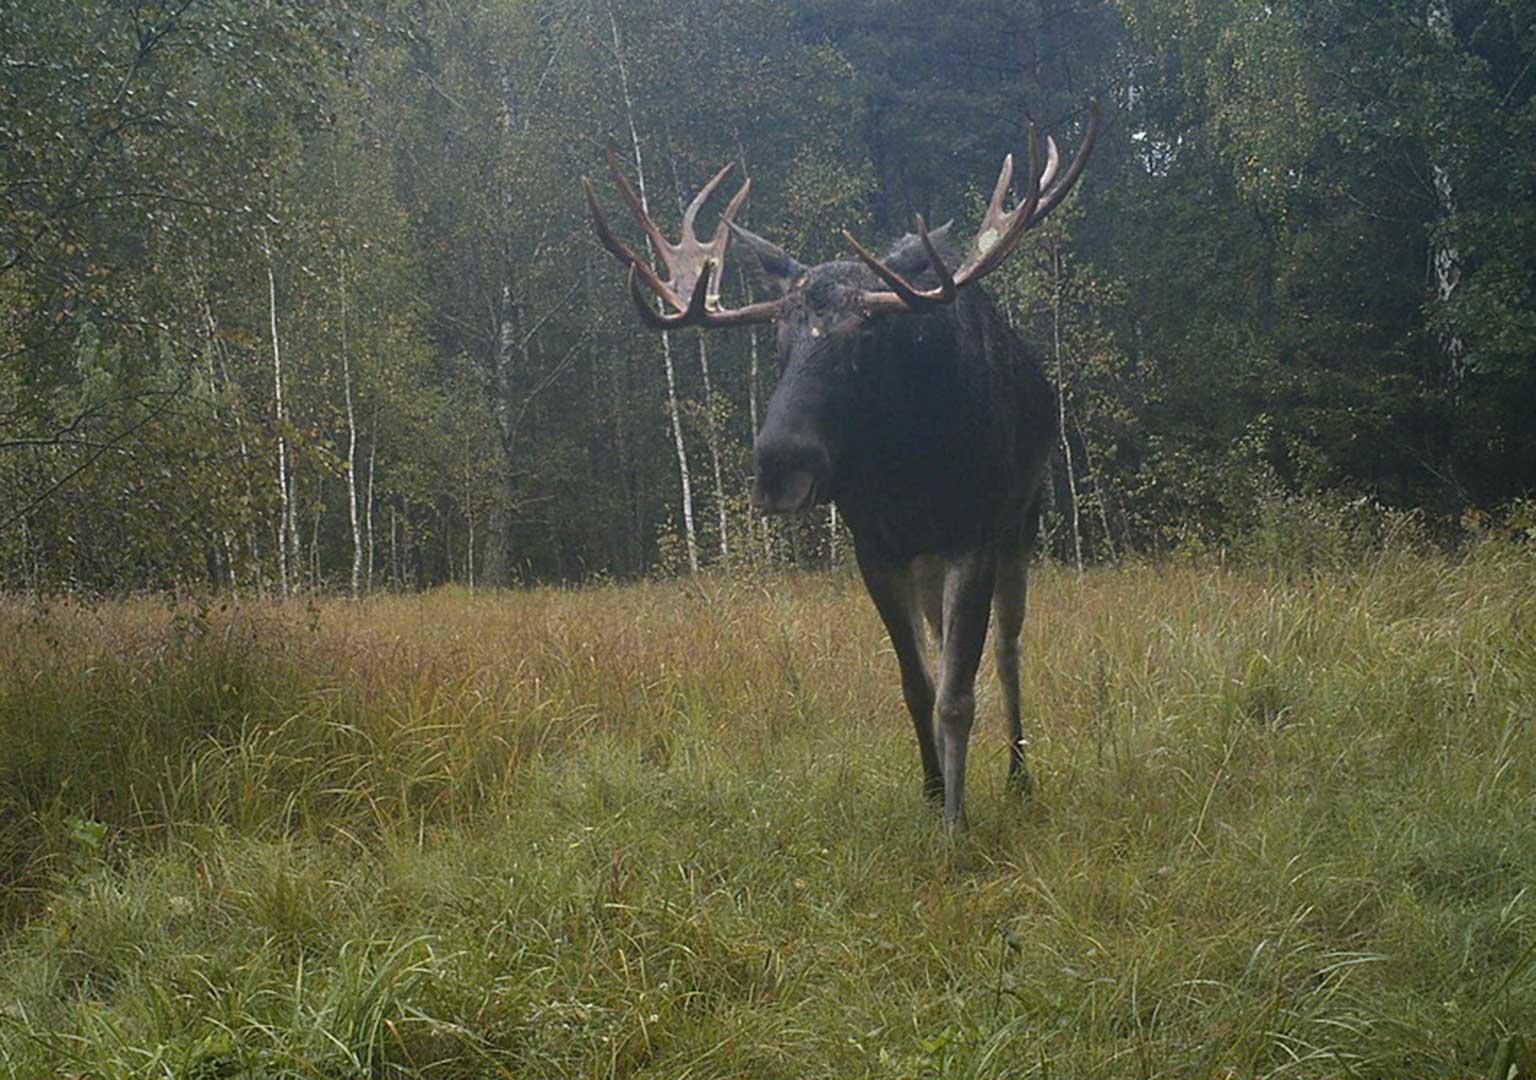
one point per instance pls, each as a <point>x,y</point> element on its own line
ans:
<point>793,474</point>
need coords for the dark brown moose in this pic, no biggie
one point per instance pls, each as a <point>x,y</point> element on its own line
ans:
<point>903,397</point>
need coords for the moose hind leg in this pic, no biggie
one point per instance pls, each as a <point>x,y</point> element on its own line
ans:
<point>1008,600</point>
<point>895,593</point>
<point>968,583</point>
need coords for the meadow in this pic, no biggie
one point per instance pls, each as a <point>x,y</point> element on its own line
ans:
<point>1283,827</point>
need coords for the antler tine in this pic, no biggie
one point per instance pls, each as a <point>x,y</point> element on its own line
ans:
<point>622,251</point>
<point>1052,163</point>
<point>723,229</point>
<point>1001,231</point>
<point>947,287</point>
<point>720,242</point>
<point>1017,223</point>
<point>616,247</point>
<point>698,203</point>
<point>1059,192</point>
<point>1000,189</point>
<point>913,297</point>
<point>636,205</point>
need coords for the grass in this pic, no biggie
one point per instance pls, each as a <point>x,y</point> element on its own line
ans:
<point>1284,827</point>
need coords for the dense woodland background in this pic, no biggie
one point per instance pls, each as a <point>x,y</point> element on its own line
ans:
<point>300,295</point>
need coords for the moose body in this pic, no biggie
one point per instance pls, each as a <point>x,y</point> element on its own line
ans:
<point>931,431</point>
<point>905,398</point>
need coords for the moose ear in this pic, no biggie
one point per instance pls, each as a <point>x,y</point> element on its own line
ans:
<point>771,266</point>
<point>908,257</point>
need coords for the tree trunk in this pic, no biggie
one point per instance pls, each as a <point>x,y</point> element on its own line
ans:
<point>346,386</point>
<point>314,532</point>
<point>690,536</point>
<point>712,424</point>
<point>1445,257</point>
<point>496,557</point>
<point>394,546</point>
<point>1061,404</point>
<point>757,528</point>
<point>752,409</point>
<point>284,529</point>
<point>373,445</point>
<point>225,535</point>
<point>469,515</point>
<point>253,536</point>
<point>1100,496</point>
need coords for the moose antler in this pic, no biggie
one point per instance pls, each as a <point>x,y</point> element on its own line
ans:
<point>692,286</point>
<point>998,236</point>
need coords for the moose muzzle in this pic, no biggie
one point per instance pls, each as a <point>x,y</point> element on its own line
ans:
<point>793,474</point>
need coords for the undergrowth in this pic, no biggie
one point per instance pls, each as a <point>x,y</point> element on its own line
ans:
<point>1283,827</point>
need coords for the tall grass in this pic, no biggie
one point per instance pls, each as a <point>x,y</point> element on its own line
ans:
<point>1284,827</point>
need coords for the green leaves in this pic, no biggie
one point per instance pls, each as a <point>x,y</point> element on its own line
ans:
<point>1310,218</point>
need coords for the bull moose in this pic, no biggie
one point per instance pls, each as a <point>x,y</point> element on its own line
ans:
<point>905,398</point>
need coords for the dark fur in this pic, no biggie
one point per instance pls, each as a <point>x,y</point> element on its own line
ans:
<point>931,432</point>
<point>939,425</point>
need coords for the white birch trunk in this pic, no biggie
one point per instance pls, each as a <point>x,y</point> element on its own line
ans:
<point>712,437</point>
<point>752,376</point>
<point>226,537</point>
<point>1445,257</point>
<point>283,481</point>
<point>497,553</point>
<point>346,387</point>
<point>690,536</point>
<point>252,540</point>
<point>1061,404</point>
<point>752,382</point>
<point>314,533</point>
<point>295,554</point>
<point>469,515</point>
<point>373,445</point>
<point>394,547</point>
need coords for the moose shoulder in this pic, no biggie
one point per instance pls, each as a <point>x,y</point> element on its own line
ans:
<point>903,396</point>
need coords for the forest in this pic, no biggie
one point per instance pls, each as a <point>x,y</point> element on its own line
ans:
<point>307,347</point>
<point>302,296</point>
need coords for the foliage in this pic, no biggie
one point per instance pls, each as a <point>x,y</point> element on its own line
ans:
<point>1300,267</point>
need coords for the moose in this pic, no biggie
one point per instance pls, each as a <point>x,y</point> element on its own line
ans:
<point>905,398</point>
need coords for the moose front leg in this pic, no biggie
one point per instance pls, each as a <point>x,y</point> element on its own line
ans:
<point>1008,608</point>
<point>896,596</point>
<point>968,582</point>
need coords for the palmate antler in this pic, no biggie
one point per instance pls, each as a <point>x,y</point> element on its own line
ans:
<point>692,286</point>
<point>690,293</point>
<point>998,236</point>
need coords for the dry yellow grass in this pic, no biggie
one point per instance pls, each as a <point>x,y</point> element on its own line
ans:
<point>667,829</point>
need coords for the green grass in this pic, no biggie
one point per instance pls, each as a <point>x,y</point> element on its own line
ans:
<point>1284,827</point>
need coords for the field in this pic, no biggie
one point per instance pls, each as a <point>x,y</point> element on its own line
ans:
<point>1284,826</point>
